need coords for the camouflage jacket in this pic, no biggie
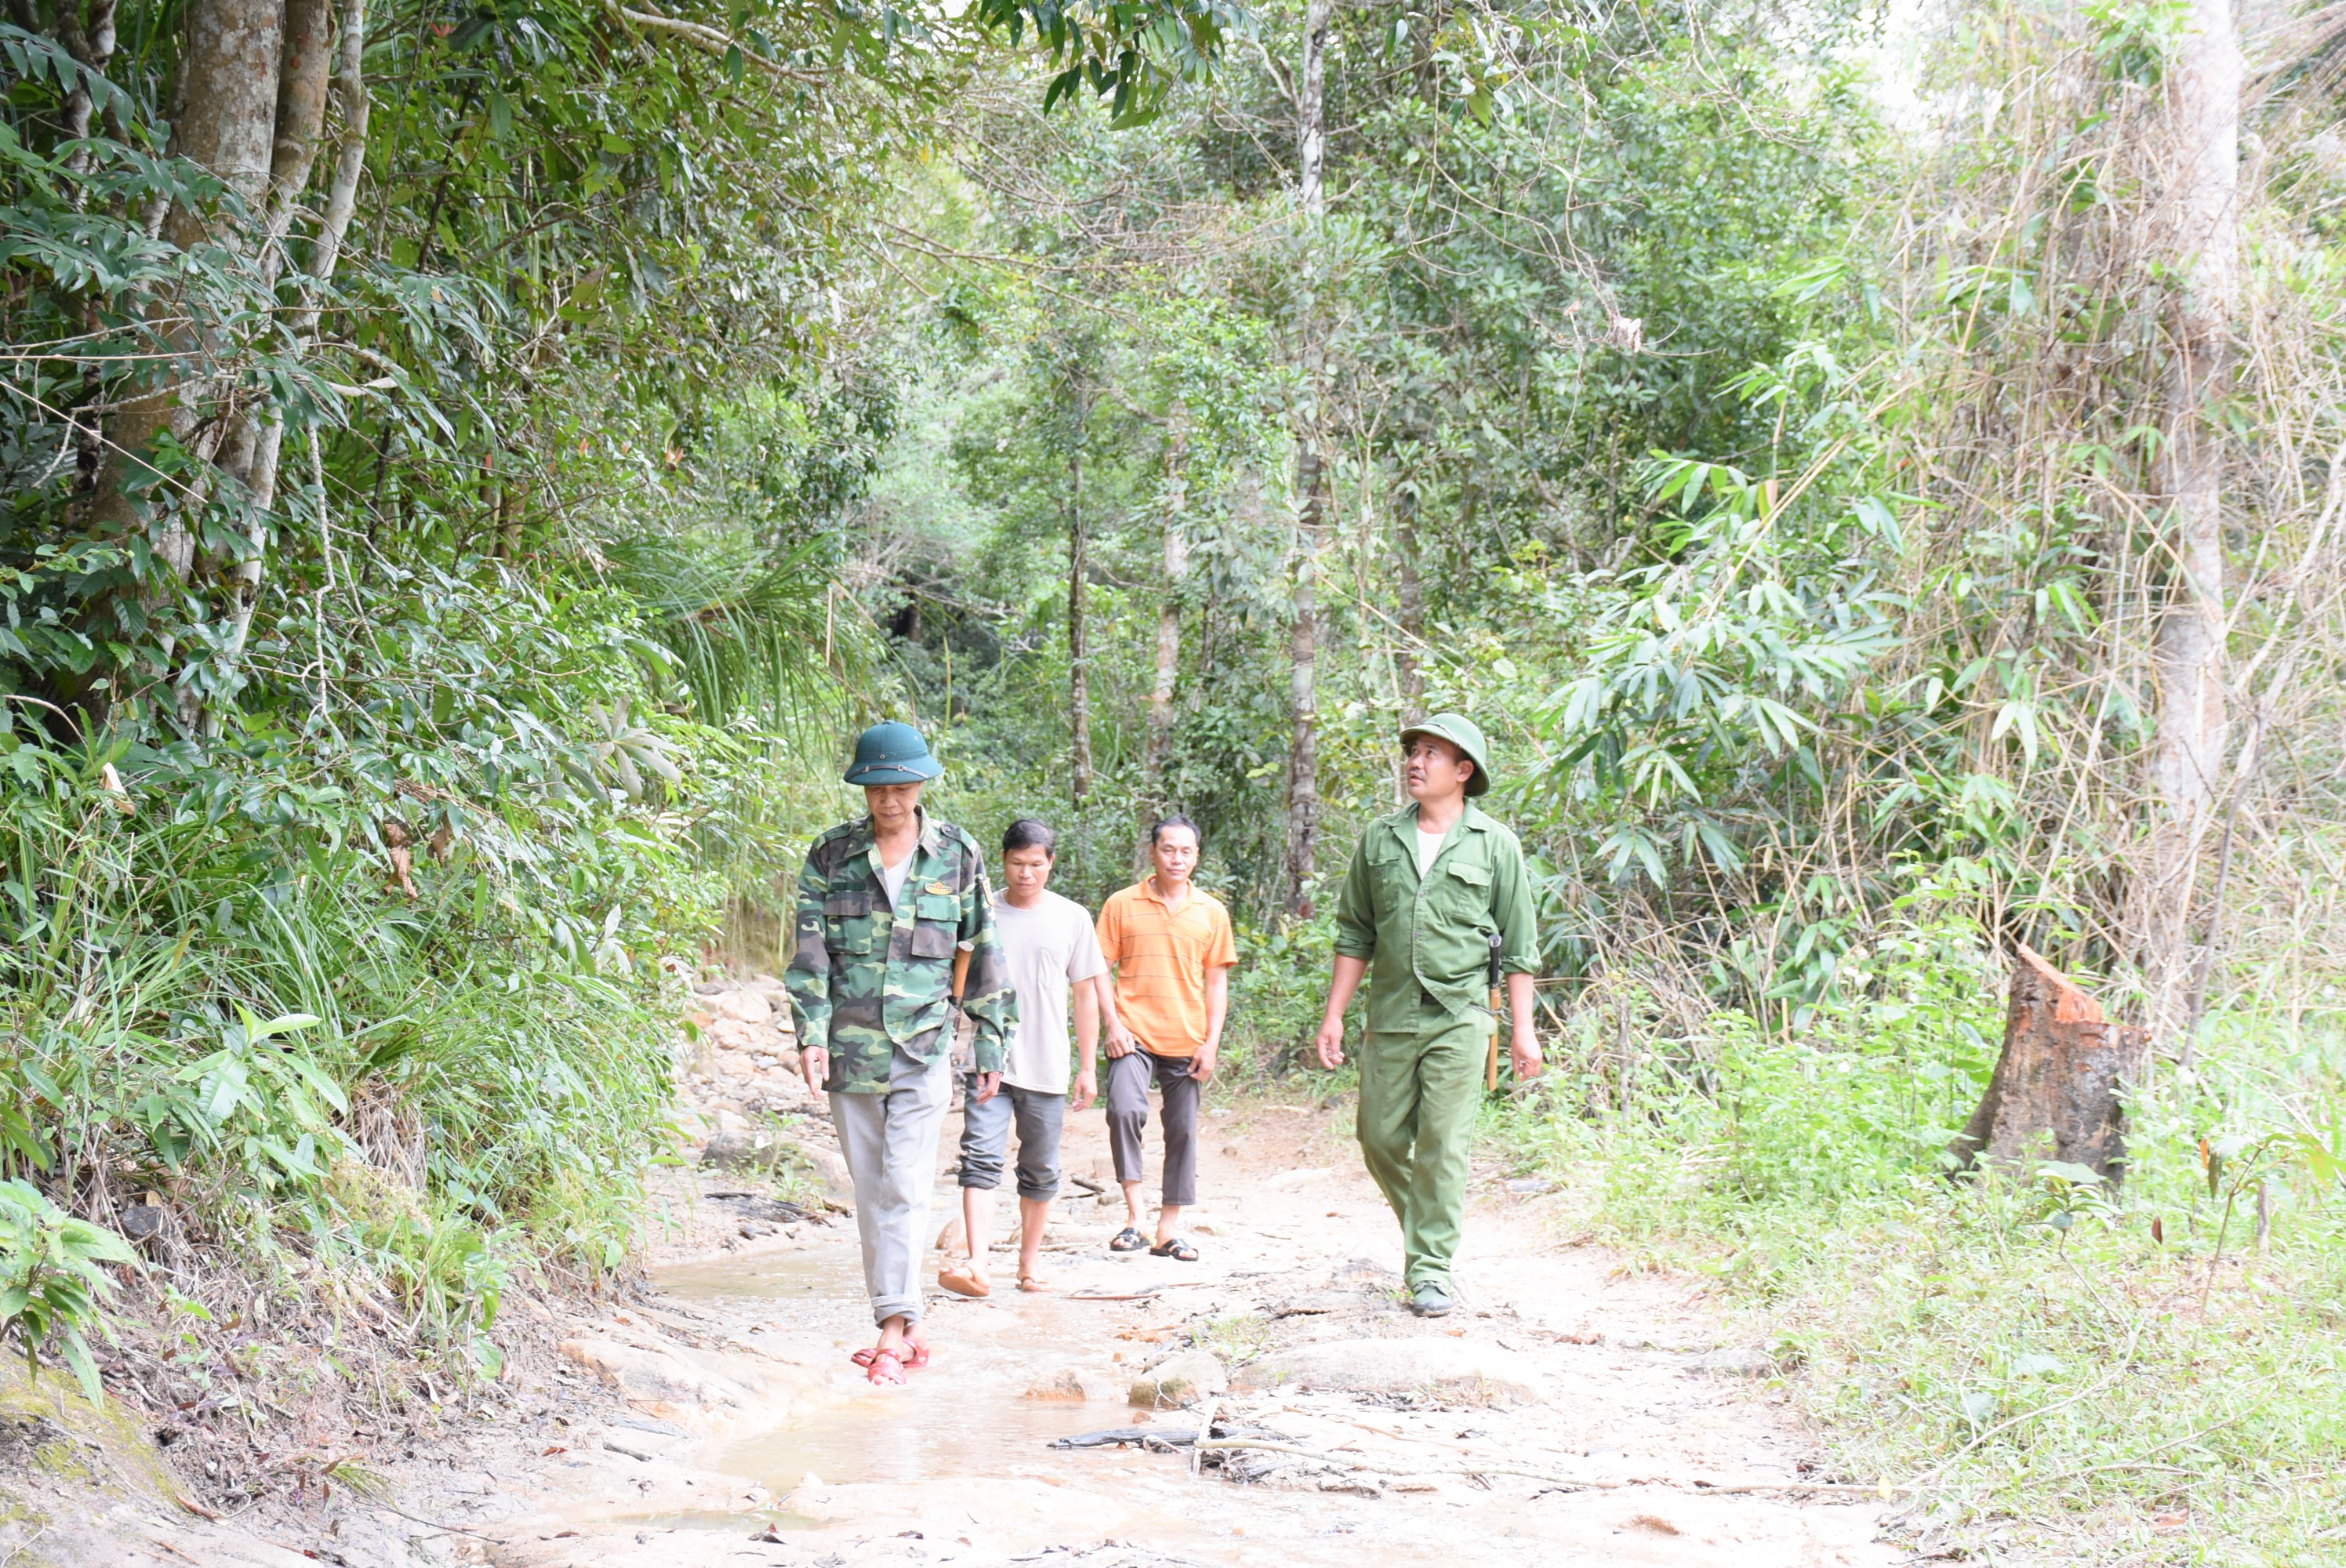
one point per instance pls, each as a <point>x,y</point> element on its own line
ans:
<point>865,977</point>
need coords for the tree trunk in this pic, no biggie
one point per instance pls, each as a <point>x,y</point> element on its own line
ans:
<point>1079,696</point>
<point>1412,605</point>
<point>1168,614</point>
<point>2055,1091</point>
<point>2201,223</point>
<point>300,124</point>
<point>228,73</point>
<point>1310,475</point>
<point>1303,661</point>
<point>1311,111</point>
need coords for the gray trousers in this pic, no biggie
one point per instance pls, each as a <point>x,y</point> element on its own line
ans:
<point>890,1142</point>
<point>1127,1113</point>
<point>985,1140</point>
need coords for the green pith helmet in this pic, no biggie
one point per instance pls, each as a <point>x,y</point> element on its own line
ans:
<point>1464,734</point>
<point>892,753</point>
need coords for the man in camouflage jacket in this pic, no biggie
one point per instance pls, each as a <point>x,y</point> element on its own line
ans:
<point>887,906</point>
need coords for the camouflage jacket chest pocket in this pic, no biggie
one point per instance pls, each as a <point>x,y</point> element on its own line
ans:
<point>849,923</point>
<point>936,923</point>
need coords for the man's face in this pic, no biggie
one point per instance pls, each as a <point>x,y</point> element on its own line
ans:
<point>1437,769</point>
<point>891,805</point>
<point>1025,872</point>
<point>1176,854</point>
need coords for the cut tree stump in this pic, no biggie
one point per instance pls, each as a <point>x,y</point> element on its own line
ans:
<point>2059,1074</point>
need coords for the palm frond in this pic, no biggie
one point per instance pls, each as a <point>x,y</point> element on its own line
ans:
<point>772,641</point>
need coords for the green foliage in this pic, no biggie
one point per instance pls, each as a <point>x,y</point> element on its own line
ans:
<point>2043,1354</point>
<point>52,1287</point>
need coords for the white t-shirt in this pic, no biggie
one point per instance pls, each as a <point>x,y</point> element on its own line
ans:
<point>892,877</point>
<point>1428,846</point>
<point>1049,947</point>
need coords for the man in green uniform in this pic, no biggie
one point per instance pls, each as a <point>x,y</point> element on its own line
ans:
<point>1429,889</point>
<point>886,905</point>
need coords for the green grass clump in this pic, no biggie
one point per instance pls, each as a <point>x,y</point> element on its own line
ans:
<point>2149,1375</point>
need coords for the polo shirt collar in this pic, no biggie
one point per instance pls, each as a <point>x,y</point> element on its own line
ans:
<point>1147,887</point>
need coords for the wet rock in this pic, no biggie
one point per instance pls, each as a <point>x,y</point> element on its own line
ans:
<point>1442,1367</point>
<point>1073,1385</point>
<point>681,1385</point>
<point>1179,1380</point>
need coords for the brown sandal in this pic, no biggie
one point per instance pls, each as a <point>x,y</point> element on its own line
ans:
<point>963,1280</point>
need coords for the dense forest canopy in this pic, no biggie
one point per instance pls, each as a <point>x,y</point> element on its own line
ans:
<point>469,464</point>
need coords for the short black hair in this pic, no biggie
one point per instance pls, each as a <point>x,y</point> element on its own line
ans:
<point>1177,819</point>
<point>1030,833</point>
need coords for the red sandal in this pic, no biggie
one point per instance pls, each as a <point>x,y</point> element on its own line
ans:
<point>884,1369</point>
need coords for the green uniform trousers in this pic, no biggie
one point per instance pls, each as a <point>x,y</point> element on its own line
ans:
<point>1418,1094</point>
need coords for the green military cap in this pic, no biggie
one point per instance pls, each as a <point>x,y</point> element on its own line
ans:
<point>892,753</point>
<point>1464,734</point>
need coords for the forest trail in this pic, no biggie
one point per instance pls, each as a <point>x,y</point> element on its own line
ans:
<point>754,1441</point>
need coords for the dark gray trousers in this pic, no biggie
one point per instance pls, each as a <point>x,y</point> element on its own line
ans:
<point>1127,1111</point>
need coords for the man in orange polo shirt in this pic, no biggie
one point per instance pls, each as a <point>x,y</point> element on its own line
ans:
<point>1172,948</point>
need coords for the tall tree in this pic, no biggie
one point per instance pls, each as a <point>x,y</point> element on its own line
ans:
<point>1311,471</point>
<point>2199,231</point>
<point>1079,692</point>
<point>1168,614</point>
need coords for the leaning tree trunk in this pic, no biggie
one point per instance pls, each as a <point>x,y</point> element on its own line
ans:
<point>2055,1091</point>
<point>2201,226</point>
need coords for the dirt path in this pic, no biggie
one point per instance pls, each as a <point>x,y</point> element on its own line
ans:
<point>747,1439</point>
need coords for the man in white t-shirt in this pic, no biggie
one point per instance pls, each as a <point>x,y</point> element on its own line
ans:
<point>1053,954</point>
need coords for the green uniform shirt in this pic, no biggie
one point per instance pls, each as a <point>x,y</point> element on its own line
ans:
<point>1432,933</point>
<point>867,978</point>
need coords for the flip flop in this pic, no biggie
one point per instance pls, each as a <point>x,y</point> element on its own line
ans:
<point>884,1369</point>
<point>963,1282</point>
<point>1127,1240</point>
<point>1034,1283</point>
<point>1177,1249</point>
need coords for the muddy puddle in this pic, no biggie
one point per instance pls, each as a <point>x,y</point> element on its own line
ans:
<point>967,1413</point>
<point>961,1450</point>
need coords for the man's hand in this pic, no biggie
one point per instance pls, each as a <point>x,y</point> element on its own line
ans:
<point>1201,1065</point>
<point>988,1086</point>
<point>815,1062</point>
<point>1120,1042</point>
<point>1331,1042</point>
<point>1087,1089</point>
<point>1527,1055</point>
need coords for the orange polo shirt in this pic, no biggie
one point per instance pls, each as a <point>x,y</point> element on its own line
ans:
<point>1160,956</point>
